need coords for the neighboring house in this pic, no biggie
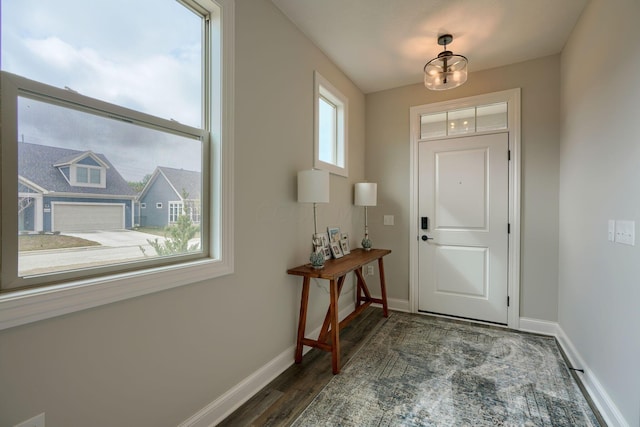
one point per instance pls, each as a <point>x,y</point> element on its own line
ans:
<point>168,193</point>
<point>70,190</point>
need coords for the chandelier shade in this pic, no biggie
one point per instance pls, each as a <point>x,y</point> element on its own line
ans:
<point>447,70</point>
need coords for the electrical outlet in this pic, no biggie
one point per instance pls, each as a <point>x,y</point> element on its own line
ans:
<point>37,421</point>
<point>370,270</point>
<point>388,220</point>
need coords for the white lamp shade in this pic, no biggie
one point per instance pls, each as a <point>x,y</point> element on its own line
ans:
<point>313,186</point>
<point>366,194</point>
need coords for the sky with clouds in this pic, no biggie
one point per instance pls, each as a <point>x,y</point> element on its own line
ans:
<point>140,54</point>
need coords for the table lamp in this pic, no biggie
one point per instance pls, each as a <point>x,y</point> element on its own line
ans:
<point>366,195</point>
<point>313,187</point>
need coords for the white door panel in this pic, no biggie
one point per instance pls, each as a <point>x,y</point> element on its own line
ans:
<point>461,271</point>
<point>463,189</point>
<point>460,189</point>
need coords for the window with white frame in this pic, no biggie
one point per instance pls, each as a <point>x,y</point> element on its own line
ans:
<point>330,141</point>
<point>87,176</point>
<point>175,210</point>
<point>192,208</point>
<point>154,98</point>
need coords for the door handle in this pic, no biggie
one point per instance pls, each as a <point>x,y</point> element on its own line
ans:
<point>425,237</point>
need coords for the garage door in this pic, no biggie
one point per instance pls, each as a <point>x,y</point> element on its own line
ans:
<point>87,217</point>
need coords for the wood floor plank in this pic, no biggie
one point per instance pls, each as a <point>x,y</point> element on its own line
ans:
<point>281,401</point>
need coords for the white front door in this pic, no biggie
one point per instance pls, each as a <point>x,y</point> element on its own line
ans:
<point>463,191</point>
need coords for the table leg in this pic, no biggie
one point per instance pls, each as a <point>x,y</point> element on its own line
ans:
<point>335,328</point>
<point>302,321</point>
<point>383,288</point>
<point>324,330</point>
<point>359,297</point>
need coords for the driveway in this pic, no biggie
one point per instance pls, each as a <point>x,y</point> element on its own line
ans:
<point>117,238</point>
<point>117,246</point>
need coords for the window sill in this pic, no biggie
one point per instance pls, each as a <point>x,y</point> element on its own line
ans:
<point>27,306</point>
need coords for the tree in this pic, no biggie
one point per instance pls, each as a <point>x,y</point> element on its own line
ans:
<point>137,186</point>
<point>177,238</point>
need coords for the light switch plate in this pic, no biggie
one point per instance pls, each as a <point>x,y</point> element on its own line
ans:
<point>612,230</point>
<point>388,220</point>
<point>626,232</point>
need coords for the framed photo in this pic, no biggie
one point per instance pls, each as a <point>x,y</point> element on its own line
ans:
<point>336,251</point>
<point>321,241</point>
<point>334,234</point>
<point>344,244</point>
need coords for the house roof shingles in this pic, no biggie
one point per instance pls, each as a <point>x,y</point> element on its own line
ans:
<point>184,180</point>
<point>35,163</point>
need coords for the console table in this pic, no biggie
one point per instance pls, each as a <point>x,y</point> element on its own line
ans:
<point>335,270</point>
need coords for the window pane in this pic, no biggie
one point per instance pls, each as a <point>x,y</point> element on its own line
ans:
<point>147,58</point>
<point>433,125</point>
<point>461,121</point>
<point>327,131</point>
<point>94,176</point>
<point>144,166</point>
<point>81,174</point>
<point>492,117</point>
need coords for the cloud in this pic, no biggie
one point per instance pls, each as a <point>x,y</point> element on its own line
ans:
<point>134,150</point>
<point>162,85</point>
<point>143,55</point>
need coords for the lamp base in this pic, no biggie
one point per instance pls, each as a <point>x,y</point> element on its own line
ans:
<point>317,260</point>
<point>366,244</point>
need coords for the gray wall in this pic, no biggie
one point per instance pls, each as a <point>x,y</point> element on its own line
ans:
<point>158,359</point>
<point>599,282</point>
<point>387,162</point>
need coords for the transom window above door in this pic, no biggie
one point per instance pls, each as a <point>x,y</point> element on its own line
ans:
<point>483,118</point>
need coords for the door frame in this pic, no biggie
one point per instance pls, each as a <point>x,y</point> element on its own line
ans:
<point>512,98</point>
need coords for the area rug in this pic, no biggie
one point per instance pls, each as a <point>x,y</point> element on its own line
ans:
<point>419,370</point>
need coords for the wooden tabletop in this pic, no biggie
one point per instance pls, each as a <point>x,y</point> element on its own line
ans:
<point>335,268</point>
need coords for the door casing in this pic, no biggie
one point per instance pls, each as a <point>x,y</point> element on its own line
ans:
<point>512,97</point>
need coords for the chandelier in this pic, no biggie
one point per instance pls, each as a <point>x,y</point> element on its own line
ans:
<point>447,70</point>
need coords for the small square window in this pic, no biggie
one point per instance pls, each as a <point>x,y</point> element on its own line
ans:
<point>330,142</point>
<point>159,205</point>
<point>82,175</point>
<point>143,205</point>
<point>94,176</point>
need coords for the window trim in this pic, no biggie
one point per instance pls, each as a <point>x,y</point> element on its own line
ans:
<point>73,173</point>
<point>173,204</point>
<point>29,305</point>
<point>324,89</point>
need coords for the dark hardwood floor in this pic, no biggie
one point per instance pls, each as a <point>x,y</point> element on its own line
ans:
<point>282,400</point>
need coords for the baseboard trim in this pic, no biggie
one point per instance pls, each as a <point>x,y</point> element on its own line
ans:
<point>594,388</point>
<point>606,406</point>
<point>537,326</point>
<point>216,411</point>
<point>395,304</point>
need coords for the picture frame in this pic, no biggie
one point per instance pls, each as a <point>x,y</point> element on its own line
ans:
<point>344,244</point>
<point>336,251</point>
<point>334,234</point>
<point>321,241</point>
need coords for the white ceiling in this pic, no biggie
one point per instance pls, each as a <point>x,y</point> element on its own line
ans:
<point>382,44</point>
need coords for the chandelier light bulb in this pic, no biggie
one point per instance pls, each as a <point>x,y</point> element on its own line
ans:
<point>447,70</point>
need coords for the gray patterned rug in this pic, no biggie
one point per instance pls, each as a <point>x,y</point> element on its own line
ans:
<point>418,370</point>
